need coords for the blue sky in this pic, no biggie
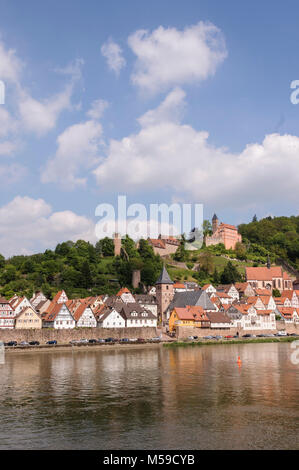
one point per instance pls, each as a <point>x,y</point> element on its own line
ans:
<point>81,78</point>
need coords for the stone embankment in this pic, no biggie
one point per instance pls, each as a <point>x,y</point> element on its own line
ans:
<point>65,336</point>
<point>185,331</point>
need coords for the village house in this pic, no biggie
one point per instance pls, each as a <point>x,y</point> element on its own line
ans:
<point>219,320</point>
<point>209,288</point>
<point>149,302</point>
<point>19,303</point>
<point>59,318</point>
<point>84,316</point>
<point>137,316</point>
<point>223,297</point>
<point>110,317</point>
<point>7,314</point>
<point>229,289</point>
<point>192,298</point>
<point>60,297</point>
<point>27,319</point>
<point>188,316</point>
<point>37,298</point>
<point>289,314</point>
<point>223,233</point>
<point>42,306</point>
<point>290,298</point>
<point>179,287</point>
<point>125,295</point>
<point>244,289</point>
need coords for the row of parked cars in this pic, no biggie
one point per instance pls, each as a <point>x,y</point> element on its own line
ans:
<point>266,335</point>
<point>87,341</point>
<point>114,340</point>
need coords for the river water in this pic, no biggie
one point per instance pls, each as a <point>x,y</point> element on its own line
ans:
<point>151,398</point>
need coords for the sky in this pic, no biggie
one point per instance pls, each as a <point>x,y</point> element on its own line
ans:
<point>167,101</point>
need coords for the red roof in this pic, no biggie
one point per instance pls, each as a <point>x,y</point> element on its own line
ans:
<point>263,273</point>
<point>123,290</point>
<point>193,313</point>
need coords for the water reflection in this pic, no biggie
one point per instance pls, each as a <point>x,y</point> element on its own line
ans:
<point>151,398</point>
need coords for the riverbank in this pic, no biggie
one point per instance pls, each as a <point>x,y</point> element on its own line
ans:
<point>58,348</point>
<point>283,339</point>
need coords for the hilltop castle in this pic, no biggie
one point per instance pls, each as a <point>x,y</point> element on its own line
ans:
<point>223,233</point>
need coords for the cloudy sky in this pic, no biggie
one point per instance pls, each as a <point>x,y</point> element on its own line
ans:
<point>162,101</point>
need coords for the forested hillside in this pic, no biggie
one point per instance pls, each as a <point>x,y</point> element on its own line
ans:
<point>79,268</point>
<point>278,235</point>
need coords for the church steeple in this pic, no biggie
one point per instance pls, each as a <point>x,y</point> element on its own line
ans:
<point>268,262</point>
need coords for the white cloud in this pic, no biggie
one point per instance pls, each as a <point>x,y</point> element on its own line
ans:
<point>169,155</point>
<point>97,109</point>
<point>29,225</point>
<point>10,64</point>
<point>168,57</point>
<point>78,149</point>
<point>40,117</point>
<point>113,53</point>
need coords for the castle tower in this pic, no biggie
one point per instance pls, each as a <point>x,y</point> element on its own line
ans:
<point>215,222</point>
<point>164,293</point>
<point>117,244</point>
<point>268,262</point>
<point>136,278</point>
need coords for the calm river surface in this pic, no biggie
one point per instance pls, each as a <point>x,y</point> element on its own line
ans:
<point>151,398</point>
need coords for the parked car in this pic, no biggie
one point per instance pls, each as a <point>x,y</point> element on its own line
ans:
<point>281,333</point>
<point>208,337</point>
<point>74,341</point>
<point>218,337</point>
<point>228,336</point>
<point>101,340</point>
<point>195,337</point>
<point>155,338</point>
<point>34,343</point>
<point>83,341</point>
<point>191,338</point>
<point>247,336</point>
<point>261,336</point>
<point>53,341</point>
<point>124,340</point>
<point>23,343</point>
<point>11,343</point>
<point>133,340</point>
<point>292,334</point>
<point>109,340</point>
<point>92,341</point>
<point>141,340</point>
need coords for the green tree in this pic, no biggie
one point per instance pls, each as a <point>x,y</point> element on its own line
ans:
<point>86,277</point>
<point>230,274</point>
<point>105,247</point>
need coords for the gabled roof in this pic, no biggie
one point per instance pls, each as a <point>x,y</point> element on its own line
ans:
<point>123,290</point>
<point>192,313</point>
<point>196,297</point>
<point>218,317</point>
<point>164,277</point>
<point>24,309</point>
<point>263,273</point>
<point>77,314</point>
<point>50,316</point>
